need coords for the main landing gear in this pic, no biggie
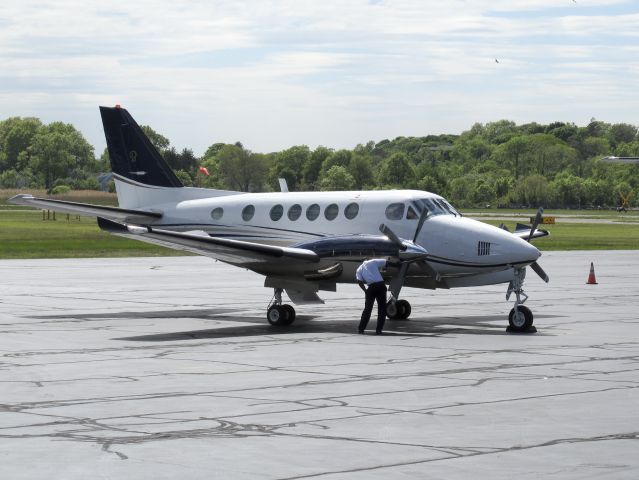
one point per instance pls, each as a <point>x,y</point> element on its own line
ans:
<point>398,309</point>
<point>520,319</point>
<point>279,314</point>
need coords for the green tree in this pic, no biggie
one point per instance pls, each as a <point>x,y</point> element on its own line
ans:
<point>241,169</point>
<point>396,171</point>
<point>313,165</point>
<point>57,149</point>
<point>340,158</point>
<point>289,164</point>
<point>569,189</point>
<point>337,178</point>
<point>621,133</point>
<point>184,177</point>
<point>534,191</point>
<point>16,135</point>
<point>160,142</point>
<point>361,169</point>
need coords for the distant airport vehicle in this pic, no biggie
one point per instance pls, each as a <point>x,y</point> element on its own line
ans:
<point>306,242</point>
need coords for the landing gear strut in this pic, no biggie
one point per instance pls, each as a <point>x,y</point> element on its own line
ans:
<point>279,314</point>
<point>520,319</point>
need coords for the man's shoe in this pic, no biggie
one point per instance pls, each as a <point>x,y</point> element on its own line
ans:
<point>361,332</point>
<point>378,333</point>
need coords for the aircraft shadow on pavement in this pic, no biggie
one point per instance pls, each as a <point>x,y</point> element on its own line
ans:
<point>306,324</point>
<point>248,326</point>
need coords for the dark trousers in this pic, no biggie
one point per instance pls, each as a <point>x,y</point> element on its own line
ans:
<point>375,291</point>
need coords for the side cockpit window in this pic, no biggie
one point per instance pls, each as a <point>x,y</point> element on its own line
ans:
<point>411,214</point>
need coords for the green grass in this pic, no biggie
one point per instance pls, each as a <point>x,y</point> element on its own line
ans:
<point>23,234</point>
<point>586,236</point>
<point>632,215</point>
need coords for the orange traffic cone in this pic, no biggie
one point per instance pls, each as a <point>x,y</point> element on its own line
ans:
<point>591,277</point>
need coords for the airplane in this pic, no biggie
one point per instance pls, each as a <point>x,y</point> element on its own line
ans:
<point>306,242</point>
<point>623,160</point>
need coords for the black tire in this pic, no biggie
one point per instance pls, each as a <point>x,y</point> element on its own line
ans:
<point>404,308</point>
<point>392,310</point>
<point>522,322</point>
<point>290,314</point>
<point>277,315</point>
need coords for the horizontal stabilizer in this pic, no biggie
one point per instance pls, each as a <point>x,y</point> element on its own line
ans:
<point>86,209</point>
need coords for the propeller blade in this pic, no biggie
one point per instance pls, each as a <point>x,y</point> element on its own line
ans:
<point>391,235</point>
<point>420,224</point>
<point>539,271</point>
<point>430,270</point>
<point>536,223</point>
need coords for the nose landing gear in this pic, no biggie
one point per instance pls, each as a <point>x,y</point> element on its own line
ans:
<point>279,314</point>
<point>520,319</point>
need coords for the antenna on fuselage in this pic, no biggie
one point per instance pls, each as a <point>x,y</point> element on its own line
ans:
<point>283,185</point>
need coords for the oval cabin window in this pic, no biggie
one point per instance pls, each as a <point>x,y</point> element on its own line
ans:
<point>312,212</point>
<point>351,211</point>
<point>248,212</point>
<point>276,212</point>
<point>294,212</point>
<point>395,211</point>
<point>217,213</point>
<point>331,211</point>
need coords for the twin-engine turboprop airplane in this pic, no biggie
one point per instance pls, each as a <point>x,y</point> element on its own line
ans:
<point>304,242</point>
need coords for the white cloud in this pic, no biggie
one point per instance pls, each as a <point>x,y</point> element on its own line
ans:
<point>277,73</point>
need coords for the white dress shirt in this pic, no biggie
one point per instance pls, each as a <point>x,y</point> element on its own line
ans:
<point>368,272</point>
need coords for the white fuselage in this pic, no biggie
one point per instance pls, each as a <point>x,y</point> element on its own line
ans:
<point>458,246</point>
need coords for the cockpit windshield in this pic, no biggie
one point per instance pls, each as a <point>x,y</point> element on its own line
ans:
<point>435,206</point>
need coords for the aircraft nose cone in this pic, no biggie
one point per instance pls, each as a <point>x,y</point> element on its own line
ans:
<point>528,251</point>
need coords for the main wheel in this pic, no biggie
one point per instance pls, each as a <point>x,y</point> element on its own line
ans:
<point>393,310</point>
<point>277,315</point>
<point>290,314</point>
<point>520,320</point>
<point>404,308</point>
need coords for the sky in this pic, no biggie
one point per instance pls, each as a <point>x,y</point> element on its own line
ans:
<point>277,73</point>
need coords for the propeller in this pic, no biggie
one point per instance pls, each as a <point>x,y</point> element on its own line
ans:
<point>409,252</point>
<point>536,223</point>
<point>535,266</point>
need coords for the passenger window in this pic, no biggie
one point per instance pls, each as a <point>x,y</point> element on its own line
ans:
<point>248,212</point>
<point>395,211</point>
<point>351,211</point>
<point>276,212</point>
<point>217,213</point>
<point>312,212</point>
<point>412,214</point>
<point>331,211</point>
<point>294,212</point>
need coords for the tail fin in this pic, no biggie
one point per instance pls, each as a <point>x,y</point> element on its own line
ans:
<point>132,155</point>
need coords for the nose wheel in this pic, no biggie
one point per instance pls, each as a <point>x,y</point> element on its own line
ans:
<point>279,314</point>
<point>520,319</point>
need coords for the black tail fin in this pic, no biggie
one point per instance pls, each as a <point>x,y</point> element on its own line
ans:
<point>132,155</point>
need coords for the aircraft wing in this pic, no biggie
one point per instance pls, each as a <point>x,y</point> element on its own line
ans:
<point>235,252</point>
<point>88,209</point>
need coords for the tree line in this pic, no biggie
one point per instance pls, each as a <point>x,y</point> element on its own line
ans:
<point>500,163</point>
